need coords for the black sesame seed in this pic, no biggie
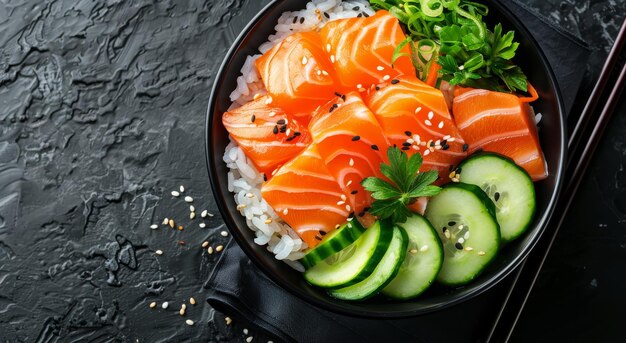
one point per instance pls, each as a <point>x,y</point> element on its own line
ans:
<point>283,129</point>
<point>444,229</point>
<point>366,15</point>
<point>322,233</point>
<point>445,147</point>
<point>253,118</point>
<point>301,20</point>
<point>296,134</point>
<point>432,143</point>
<point>377,88</point>
<point>360,15</point>
<point>326,15</point>
<point>295,19</point>
<point>318,237</point>
<point>496,196</point>
<point>451,168</point>
<point>355,8</point>
<point>290,139</point>
<point>394,81</point>
<point>339,94</point>
<point>264,177</point>
<point>281,122</point>
<point>465,147</point>
<point>351,215</point>
<point>405,148</point>
<point>374,147</point>
<point>406,144</point>
<point>458,245</point>
<point>354,192</point>
<point>361,214</point>
<point>343,97</point>
<point>444,142</point>
<point>451,223</point>
<point>275,129</point>
<point>408,133</point>
<point>458,170</point>
<point>356,138</point>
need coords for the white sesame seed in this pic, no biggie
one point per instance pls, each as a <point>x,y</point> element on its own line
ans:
<point>269,100</point>
<point>182,188</point>
<point>349,183</point>
<point>340,202</point>
<point>183,306</point>
<point>431,115</point>
<point>285,211</point>
<point>413,251</point>
<point>451,139</point>
<point>171,222</point>
<point>440,125</point>
<point>228,320</point>
<point>469,248</point>
<point>224,233</point>
<point>159,252</point>
<point>319,72</point>
<point>219,248</point>
<point>271,114</point>
<point>466,235</point>
<point>192,215</point>
<point>165,221</point>
<point>386,77</point>
<point>380,68</point>
<point>481,253</point>
<point>332,58</point>
<point>210,250</point>
<point>188,199</point>
<point>324,72</point>
<point>241,206</point>
<point>288,132</point>
<point>428,123</point>
<point>202,225</point>
<point>327,47</point>
<point>189,322</point>
<point>203,214</point>
<point>343,197</point>
<point>461,227</point>
<point>249,195</point>
<point>424,248</point>
<point>305,60</point>
<point>447,234</point>
<point>175,194</point>
<point>359,86</point>
<point>336,226</point>
<point>417,110</point>
<point>446,137</point>
<point>461,240</point>
<point>205,244</point>
<point>426,152</point>
<point>154,226</point>
<point>268,221</point>
<point>245,331</point>
<point>410,141</point>
<point>153,304</point>
<point>181,312</point>
<point>165,305</point>
<point>249,339</point>
<point>257,96</point>
<point>192,301</point>
<point>415,147</point>
<point>351,162</point>
<point>361,90</point>
<point>348,208</point>
<point>192,208</point>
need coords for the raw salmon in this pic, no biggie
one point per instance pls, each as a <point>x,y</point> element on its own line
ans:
<point>352,145</point>
<point>415,117</point>
<point>306,196</point>
<point>267,135</point>
<point>501,123</point>
<point>361,49</point>
<point>298,75</point>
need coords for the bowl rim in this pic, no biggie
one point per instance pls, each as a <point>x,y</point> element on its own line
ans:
<point>487,284</point>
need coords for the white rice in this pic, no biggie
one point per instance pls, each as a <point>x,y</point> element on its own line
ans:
<point>244,181</point>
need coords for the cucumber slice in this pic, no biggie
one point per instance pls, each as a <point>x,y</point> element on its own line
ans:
<point>465,220</point>
<point>509,187</point>
<point>354,263</point>
<point>333,242</point>
<point>422,263</point>
<point>382,275</point>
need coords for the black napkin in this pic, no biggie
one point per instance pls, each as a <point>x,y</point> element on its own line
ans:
<point>239,289</point>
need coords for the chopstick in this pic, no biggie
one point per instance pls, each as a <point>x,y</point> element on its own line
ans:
<point>577,163</point>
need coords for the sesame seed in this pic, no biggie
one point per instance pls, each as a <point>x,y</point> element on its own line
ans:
<point>285,211</point>
<point>431,115</point>
<point>359,86</point>
<point>461,227</point>
<point>189,322</point>
<point>332,58</point>
<point>466,235</point>
<point>241,206</point>
<point>340,202</point>
<point>275,130</point>
<point>305,60</point>
<point>153,304</point>
<point>351,162</point>
<point>428,123</point>
<point>424,248</point>
<point>386,77</point>
<point>406,144</point>
<point>205,244</point>
<point>413,251</point>
<point>219,248</point>
<point>171,222</point>
<point>354,192</point>
<point>257,96</point>
<point>188,199</point>
<point>181,311</point>
<point>469,248</point>
<point>202,225</point>
<point>228,320</point>
<point>203,214</point>
<point>253,118</point>
<point>224,233</point>
<point>328,47</point>
<point>210,250</point>
<point>175,194</point>
<point>451,223</point>
<point>249,195</point>
<point>159,252</point>
<point>268,221</point>
<point>417,110</point>
<point>481,253</point>
<point>447,234</point>
<point>374,147</point>
<point>349,183</point>
<point>380,68</point>
<point>165,221</point>
<point>395,81</point>
<point>318,72</point>
<point>301,20</point>
<point>461,240</point>
<point>440,125</point>
<point>451,139</point>
<point>154,226</point>
<point>165,305</point>
<point>245,331</point>
<point>249,339</point>
<point>348,208</point>
<point>271,114</point>
<point>458,245</point>
<point>343,197</point>
<point>192,215</point>
<point>426,153</point>
<point>356,138</point>
<point>324,72</point>
<point>465,147</point>
<point>269,100</point>
<point>180,228</point>
<point>496,196</point>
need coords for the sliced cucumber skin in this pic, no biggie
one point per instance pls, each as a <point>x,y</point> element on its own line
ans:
<point>510,172</point>
<point>414,277</point>
<point>453,271</point>
<point>340,274</point>
<point>333,242</point>
<point>385,271</point>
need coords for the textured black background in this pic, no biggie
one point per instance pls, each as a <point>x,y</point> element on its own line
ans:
<point>102,105</point>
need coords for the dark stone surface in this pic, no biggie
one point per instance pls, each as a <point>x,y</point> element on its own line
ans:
<point>102,106</point>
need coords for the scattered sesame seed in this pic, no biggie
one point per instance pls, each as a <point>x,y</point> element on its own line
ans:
<point>374,147</point>
<point>202,225</point>
<point>386,77</point>
<point>458,245</point>
<point>428,123</point>
<point>380,68</point>
<point>395,81</point>
<point>269,100</point>
<point>301,20</point>
<point>354,192</point>
<point>175,194</point>
<point>351,163</point>
<point>466,235</point>
<point>451,223</point>
<point>356,138</point>
<point>165,221</point>
<point>224,233</point>
<point>182,188</point>
<point>153,304</point>
<point>171,222</point>
<point>424,248</point>
<point>192,215</point>
<point>343,197</point>
<point>481,253</point>
<point>154,226</point>
<point>188,199</point>
<point>447,234</point>
<point>189,322</point>
<point>228,320</point>
<point>205,244</point>
<point>348,208</point>
<point>349,183</point>
<point>324,72</point>
<point>268,221</point>
<point>332,58</point>
<point>241,206</point>
<point>210,250</point>
<point>340,202</point>
<point>413,251</point>
<point>257,96</point>
<point>496,196</point>
<point>305,60</point>
<point>219,248</point>
<point>249,339</point>
<point>285,211</point>
<point>359,86</point>
<point>165,305</point>
<point>245,331</point>
<point>461,227</point>
<point>181,312</point>
<point>328,47</point>
<point>440,125</point>
<point>469,248</point>
<point>159,252</point>
<point>431,115</point>
<point>451,139</point>
<point>417,110</point>
<point>271,114</point>
<point>319,72</point>
<point>461,240</point>
<point>426,153</point>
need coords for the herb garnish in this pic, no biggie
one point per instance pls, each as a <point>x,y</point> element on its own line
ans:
<point>407,184</point>
<point>468,52</point>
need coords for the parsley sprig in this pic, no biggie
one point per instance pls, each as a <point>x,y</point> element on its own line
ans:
<point>469,53</point>
<point>405,184</point>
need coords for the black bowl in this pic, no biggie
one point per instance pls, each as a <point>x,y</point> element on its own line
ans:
<point>552,135</point>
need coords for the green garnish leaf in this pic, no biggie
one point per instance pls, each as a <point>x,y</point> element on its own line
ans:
<point>405,184</point>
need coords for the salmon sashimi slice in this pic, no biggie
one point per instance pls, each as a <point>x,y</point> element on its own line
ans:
<point>267,135</point>
<point>361,50</point>
<point>298,74</point>
<point>306,196</point>
<point>501,123</point>
<point>415,117</point>
<point>352,144</point>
